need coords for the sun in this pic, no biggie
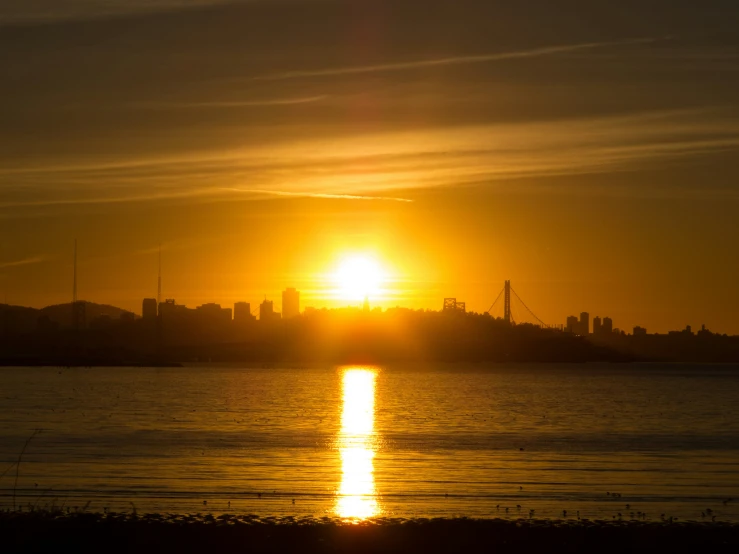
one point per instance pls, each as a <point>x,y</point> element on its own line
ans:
<point>358,277</point>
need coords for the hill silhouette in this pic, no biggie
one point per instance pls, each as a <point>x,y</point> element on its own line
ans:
<point>62,313</point>
<point>21,319</point>
<point>17,318</point>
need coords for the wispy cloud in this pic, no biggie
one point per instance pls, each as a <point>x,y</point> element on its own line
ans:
<point>229,105</point>
<point>452,60</point>
<point>185,193</point>
<point>25,11</point>
<point>24,261</point>
<point>320,195</point>
<point>125,198</point>
<point>374,166</point>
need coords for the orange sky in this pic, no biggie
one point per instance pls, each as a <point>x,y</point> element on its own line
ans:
<point>590,160</point>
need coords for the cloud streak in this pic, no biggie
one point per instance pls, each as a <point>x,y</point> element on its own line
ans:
<point>374,166</point>
<point>24,261</point>
<point>185,193</point>
<point>320,195</point>
<point>135,197</point>
<point>451,60</point>
<point>229,105</point>
<point>35,11</point>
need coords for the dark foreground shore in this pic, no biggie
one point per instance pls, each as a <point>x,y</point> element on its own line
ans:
<point>42,532</point>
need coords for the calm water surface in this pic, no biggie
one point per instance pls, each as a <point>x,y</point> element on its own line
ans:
<point>358,442</point>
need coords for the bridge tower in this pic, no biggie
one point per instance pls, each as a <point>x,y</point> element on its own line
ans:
<point>507,302</point>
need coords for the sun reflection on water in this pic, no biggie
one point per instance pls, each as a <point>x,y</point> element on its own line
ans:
<point>357,495</point>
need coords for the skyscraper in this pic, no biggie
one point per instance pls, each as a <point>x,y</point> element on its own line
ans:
<point>266,311</point>
<point>597,326</point>
<point>607,325</point>
<point>572,325</point>
<point>584,323</point>
<point>290,303</point>
<point>242,313</point>
<point>149,308</point>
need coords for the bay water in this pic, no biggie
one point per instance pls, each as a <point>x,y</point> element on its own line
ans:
<point>611,441</point>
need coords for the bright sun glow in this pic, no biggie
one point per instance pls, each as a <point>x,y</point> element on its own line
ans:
<point>358,277</point>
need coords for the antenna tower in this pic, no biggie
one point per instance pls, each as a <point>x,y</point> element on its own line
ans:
<point>159,280</point>
<point>74,282</point>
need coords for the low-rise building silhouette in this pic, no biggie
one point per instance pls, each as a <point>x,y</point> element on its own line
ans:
<point>213,314</point>
<point>687,331</point>
<point>169,308</point>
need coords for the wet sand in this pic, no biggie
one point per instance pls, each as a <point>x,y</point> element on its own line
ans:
<point>86,532</point>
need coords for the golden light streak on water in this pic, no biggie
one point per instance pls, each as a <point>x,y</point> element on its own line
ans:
<point>357,497</point>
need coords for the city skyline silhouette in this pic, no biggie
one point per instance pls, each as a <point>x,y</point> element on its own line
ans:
<point>356,286</point>
<point>591,160</point>
<point>369,276</point>
<point>355,283</point>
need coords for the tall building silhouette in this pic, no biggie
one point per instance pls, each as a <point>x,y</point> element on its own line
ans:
<point>149,308</point>
<point>572,325</point>
<point>607,325</point>
<point>267,311</point>
<point>290,303</point>
<point>584,323</point>
<point>242,313</point>
<point>597,325</point>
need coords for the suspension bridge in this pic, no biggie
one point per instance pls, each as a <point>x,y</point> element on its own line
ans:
<point>513,309</point>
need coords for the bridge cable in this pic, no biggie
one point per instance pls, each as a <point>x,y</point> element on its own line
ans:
<point>496,300</point>
<point>529,309</point>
